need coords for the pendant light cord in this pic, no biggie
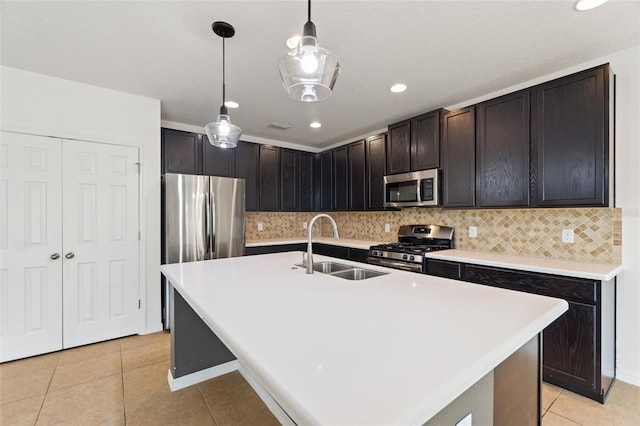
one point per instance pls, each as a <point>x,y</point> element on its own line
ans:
<point>223,75</point>
<point>309,11</point>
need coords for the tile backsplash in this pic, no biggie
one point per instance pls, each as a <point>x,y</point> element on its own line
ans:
<point>530,232</point>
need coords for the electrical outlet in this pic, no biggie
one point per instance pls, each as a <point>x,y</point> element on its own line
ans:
<point>466,421</point>
<point>387,227</point>
<point>567,235</point>
<point>260,226</point>
<point>473,232</point>
<point>304,225</point>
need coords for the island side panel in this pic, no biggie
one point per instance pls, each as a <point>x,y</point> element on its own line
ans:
<point>509,395</point>
<point>517,389</point>
<point>476,401</point>
<point>194,346</point>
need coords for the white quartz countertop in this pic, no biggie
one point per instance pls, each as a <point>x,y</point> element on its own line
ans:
<point>571,268</point>
<point>393,349</point>
<point>344,242</point>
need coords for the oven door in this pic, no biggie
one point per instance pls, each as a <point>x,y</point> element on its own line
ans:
<point>395,264</point>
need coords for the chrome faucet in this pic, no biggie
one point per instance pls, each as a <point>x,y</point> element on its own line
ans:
<point>309,242</point>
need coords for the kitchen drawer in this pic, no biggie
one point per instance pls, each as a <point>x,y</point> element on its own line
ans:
<point>572,289</point>
<point>358,255</point>
<point>276,248</point>
<point>443,268</point>
<point>329,250</point>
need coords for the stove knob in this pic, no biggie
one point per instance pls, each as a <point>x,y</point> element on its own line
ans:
<point>404,257</point>
<point>411,258</point>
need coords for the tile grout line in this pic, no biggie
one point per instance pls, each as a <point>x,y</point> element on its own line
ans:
<point>554,399</point>
<point>124,401</point>
<point>46,392</point>
<point>207,404</point>
<point>566,418</point>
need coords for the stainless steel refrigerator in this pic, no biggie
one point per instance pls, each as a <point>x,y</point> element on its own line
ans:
<point>202,219</point>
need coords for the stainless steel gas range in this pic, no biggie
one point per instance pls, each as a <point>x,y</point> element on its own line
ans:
<point>413,242</point>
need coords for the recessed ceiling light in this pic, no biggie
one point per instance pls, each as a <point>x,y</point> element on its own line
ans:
<point>293,41</point>
<point>231,104</point>
<point>582,5</point>
<point>397,88</point>
<point>315,125</point>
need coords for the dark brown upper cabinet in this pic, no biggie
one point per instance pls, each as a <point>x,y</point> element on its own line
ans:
<point>340,178</point>
<point>502,143</point>
<point>458,158</point>
<point>217,161</point>
<point>181,152</point>
<point>306,181</point>
<point>269,178</point>
<point>247,166</point>
<point>376,162</point>
<point>399,147</point>
<point>414,144</point>
<point>357,176</point>
<point>570,137</point>
<point>425,141</point>
<point>323,180</point>
<point>289,182</point>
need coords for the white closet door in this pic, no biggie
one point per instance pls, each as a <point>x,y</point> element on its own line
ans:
<point>30,241</point>
<point>100,211</point>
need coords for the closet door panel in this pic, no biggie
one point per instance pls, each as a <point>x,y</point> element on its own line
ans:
<point>31,243</point>
<point>101,247</point>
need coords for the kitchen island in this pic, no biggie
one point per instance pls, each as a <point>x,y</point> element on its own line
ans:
<point>393,349</point>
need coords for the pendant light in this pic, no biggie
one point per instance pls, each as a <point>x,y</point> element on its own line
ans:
<point>308,71</point>
<point>222,133</point>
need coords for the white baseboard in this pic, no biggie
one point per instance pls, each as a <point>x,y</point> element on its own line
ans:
<point>627,377</point>
<point>228,367</point>
<point>271,404</point>
<point>200,376</point>
<point>149,330</point>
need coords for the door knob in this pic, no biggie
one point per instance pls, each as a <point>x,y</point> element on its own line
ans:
<point>70,255</point>
<point>55,256</point>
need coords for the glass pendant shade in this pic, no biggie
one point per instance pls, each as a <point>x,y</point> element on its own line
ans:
<point>308,71</point>
<point>222,133</point>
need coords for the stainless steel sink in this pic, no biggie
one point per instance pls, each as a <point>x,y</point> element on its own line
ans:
<point>327,267</point>
<point>358,274</point>
<point>343,271</point>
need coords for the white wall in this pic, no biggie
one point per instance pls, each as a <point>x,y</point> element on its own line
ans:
<point>627,69</point>
<point>42,105</point>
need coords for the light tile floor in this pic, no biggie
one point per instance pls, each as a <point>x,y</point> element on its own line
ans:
<point>124,381</point>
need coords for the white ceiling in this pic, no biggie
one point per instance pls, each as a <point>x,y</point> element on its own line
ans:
<point>445,51</point>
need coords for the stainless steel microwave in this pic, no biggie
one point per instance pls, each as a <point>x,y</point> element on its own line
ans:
<point>415,189</point>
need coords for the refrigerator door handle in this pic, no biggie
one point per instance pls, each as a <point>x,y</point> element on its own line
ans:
<point>211,224</point>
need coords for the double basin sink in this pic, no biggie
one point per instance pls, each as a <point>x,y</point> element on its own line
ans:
<point>343,271</point>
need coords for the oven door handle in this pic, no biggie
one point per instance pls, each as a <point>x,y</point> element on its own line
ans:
<point>412,267</point>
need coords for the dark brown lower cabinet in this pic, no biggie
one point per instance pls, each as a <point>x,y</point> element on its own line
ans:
<point>278,248</point>
<point>570,347</point>
<point>579,347</point>
<point>340,252</point>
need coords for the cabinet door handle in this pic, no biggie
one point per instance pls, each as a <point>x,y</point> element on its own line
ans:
<point>70,255</point>
<point>55,256</point>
